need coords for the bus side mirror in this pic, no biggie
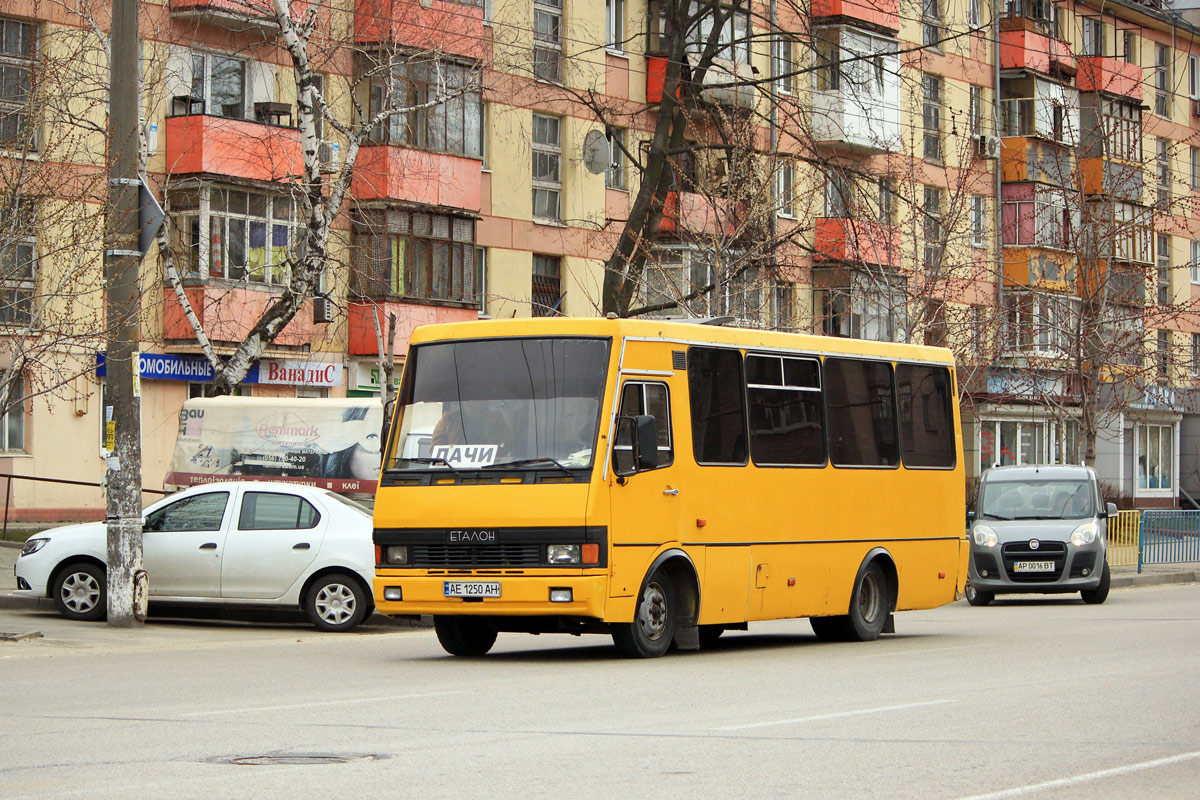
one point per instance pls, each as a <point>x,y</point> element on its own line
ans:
<point>640,435</point>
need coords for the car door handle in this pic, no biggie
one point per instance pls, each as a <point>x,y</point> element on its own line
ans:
<point>301,546</point>
<point>209,546</point>
<point>670,491</point>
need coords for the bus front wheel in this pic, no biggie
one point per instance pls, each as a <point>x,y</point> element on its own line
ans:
<point>653,627</point>
<point>465,636</point>
<point>869,608</point>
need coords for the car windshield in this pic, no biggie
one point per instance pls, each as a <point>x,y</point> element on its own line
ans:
<point>1051,499</point>
<point>490,403</point>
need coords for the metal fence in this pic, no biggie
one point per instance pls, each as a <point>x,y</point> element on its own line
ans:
<point>1124,533</point>
<point>1168,537</point>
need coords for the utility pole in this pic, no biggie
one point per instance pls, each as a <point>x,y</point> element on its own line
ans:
<point>122,259</point>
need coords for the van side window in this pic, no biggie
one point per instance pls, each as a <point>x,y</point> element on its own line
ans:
<point>716,393</point>
<point>645,398</point>
<point>926,416</point>
<point>786,425</point>
<point>860,408</point>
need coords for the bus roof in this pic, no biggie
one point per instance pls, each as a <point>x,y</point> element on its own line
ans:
<point>678,331</point>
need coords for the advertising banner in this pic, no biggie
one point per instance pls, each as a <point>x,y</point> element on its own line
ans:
<point>333,444</point>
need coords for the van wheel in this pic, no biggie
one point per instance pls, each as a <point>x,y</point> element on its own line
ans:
<point>978,597</point>
<point>1100,593</point>
<point>869,607</point>
<point>81,591</point>
<point>653,627</point>
<point>465,636</point>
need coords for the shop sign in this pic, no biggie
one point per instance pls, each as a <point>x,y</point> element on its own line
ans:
<point>299,373</point>
<point>367,377</point>
<point>167,367</point>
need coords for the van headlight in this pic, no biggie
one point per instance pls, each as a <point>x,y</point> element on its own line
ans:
<point>1084,534</point>
<point>562,554</point>
<point>985,536</point>
<point>396,554</point>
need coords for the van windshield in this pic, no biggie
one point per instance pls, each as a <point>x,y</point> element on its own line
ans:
<point>1061,499</point>
<point>491,403</point>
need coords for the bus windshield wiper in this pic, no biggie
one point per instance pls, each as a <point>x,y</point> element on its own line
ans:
<point>524,462</point>
<point>433,460</point>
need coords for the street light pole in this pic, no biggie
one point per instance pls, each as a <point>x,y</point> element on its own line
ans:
<point>123,476</point>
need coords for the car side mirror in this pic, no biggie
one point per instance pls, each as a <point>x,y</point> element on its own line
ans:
<point>1111,510</point>
<point>970,518</point>
<point>641,432</point>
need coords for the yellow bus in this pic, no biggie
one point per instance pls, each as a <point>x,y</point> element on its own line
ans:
<point>663,482</point>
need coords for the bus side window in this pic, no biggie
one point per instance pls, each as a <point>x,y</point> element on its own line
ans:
<point>645,398</point>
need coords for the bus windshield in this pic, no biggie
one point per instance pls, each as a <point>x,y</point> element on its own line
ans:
<point>491,403</point>
<point>1055,499</point>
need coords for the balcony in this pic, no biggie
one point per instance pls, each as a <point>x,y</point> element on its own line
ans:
<point>232,147</point>
<point>235,15</point>
<point>882,15</point>
<point>688,212</point>
<point>435,26</point>
<point>391,172</point>
<point>857,241</point>
<point>1028,49</point>
<point>228,313</point>
<point>1027,159</point>
<point>726,83</point>
<point>1035,268</point>
<point>362,341</point>
<point>1107,177</point>
<point>860,123</point>
<point>1111,75</point>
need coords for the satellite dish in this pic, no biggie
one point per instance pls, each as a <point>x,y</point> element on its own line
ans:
<point>596,153</point>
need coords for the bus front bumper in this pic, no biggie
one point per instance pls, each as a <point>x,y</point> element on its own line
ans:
<point>520,595</point>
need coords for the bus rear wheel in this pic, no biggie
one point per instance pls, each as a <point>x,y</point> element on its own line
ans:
<point>465,636</point>
<point>653,627</point>
<point>869,608</point>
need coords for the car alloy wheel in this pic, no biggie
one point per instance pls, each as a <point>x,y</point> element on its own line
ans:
<point>335,603</point>
<point>80,592</point>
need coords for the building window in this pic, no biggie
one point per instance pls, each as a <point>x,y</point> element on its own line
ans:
<point>248,235</point>
<point>1163,172</point>
<point>975,13</point>
<point>220,83</point>
<point>454,125</point>
<point>614,176</point>
<point>480,278</point>
<point>1163,264</point>
<point>547,167</point>
<point>1194,171</point>
<point>547,40</point>
<point>783,306</point>
<point>1129,51</point>
<point>16,84</point>
<point>734,36</point>
<point>614,15</point>
<point>1162,80</point>
<point>1193,76</point>
<point>786,190</point>
<point>547,286</point>
<point>887,202</point>
<point>417,255</point>
<point>975,110</point>
<point>978,220</point>
<point>1162,356</point>
<point>1195,262</point>
<point>869,306</point>
<point>1006,443</point>
<point>785,67</point>
<point>1195,359</point>
<point>931,90</point>
<point>1156,446</point>
<point>931,23</point>
<point>1122,123</point>
<point>12,422</point>
<point>828,54</point>
<point>18,261</point>
<point>837,196</point>
<point>1093,37</point>
<point>1040,322</point>
<point>932,212</point>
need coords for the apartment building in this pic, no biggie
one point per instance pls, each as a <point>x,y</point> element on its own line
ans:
<point>924,172</point>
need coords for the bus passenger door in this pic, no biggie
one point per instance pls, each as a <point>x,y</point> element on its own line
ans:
<point>644,507</point>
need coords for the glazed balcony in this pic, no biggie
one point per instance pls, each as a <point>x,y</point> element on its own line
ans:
<point>236,15</point>
<point>238,148</point>
<point>688,212</point>
<point>883,15</point>
<point>840,117</point>
<point>1024,158</point>
<point>1038,268</point>
<point>725,82</point>
<point>228,313</point>
<point>1112,75</point>
<point>437,26</point>
<point>391,172</point>
<point>1111,178</point>
<point>856,241</point>
<point>362,341</point>
<point>1027,49</point>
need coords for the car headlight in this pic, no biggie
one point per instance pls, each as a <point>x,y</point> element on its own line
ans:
<point>562,554</point>
<point>985,536</point>
<point>1084,534</point>
<point>32,546</point>
<point>396,554</point>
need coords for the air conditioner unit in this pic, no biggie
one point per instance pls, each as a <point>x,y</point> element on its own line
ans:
<point>327,156</point>
<point>988,146</point>
<point>322,309</point>
<point>1196,106</point>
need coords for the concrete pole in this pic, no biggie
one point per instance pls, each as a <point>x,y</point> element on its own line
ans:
<point>123,304</point>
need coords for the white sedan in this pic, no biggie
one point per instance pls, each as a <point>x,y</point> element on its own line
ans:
<point>235,543</point>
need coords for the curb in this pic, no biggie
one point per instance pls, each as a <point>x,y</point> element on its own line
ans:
<point>21,602</point>
<point>1154,578</point>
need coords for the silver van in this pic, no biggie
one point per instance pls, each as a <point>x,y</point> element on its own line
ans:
<point>1039,529</point>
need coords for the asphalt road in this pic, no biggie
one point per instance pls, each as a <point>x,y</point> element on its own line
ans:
<point>1025,698</point>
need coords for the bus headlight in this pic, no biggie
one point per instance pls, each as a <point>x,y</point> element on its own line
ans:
<point>562,554</point>
<point>985,536</point>
<point>396,554</point>
<point>1084,534</point>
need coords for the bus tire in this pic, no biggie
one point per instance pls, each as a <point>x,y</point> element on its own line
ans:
<point>1100,593</point>
<point>978,597</point>
<point>465,636</point>
<point>870,605</point>
<point>653,628</point>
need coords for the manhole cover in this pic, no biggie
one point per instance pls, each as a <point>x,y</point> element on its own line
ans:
<point>272,759</point>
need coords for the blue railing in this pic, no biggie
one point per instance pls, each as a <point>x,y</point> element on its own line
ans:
<point>1168,537</point>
